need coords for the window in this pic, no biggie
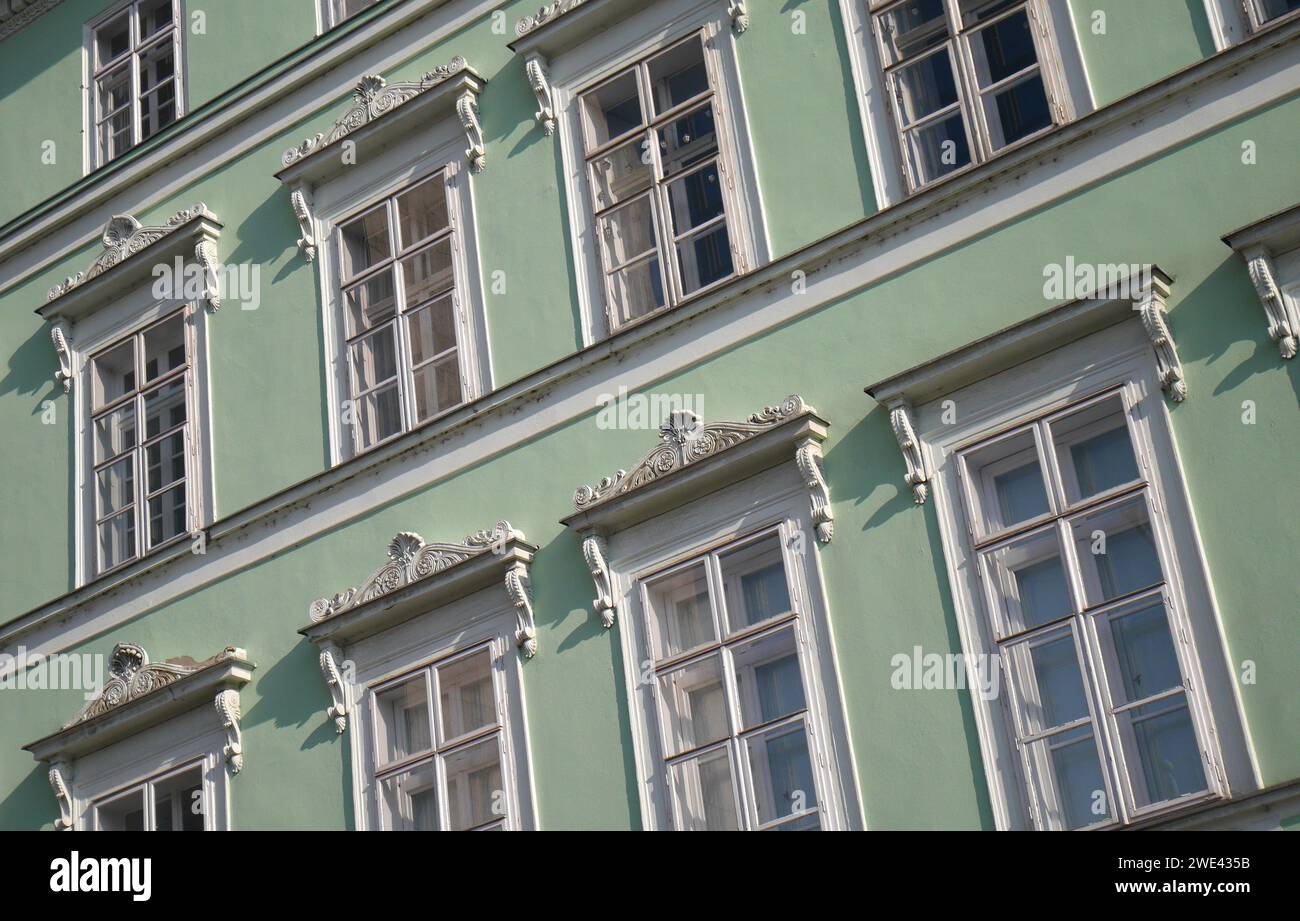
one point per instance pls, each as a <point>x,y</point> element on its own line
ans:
<point>1266,11</point>
<point>659,182</point>
<point>438,747</point>
<point>736,742</point>
<point>336,11</point>
<point>402,316</point>
<point>169,802</point>
<point>1069,548</point>
<point>135,80</point>
<point>142,442</point>
<point>966,79</point>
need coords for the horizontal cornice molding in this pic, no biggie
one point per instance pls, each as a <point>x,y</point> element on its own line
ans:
<point>1249,77</point>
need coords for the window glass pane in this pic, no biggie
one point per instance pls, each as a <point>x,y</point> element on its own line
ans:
<point>610,110</point>
<point>374,358</point>
<point>1272,9</point>
<point>178,802</point>
<point>680,615</point>
<point>115,432</point>
<point>437,388</point>
<point>678,74</point>
<point>466,699</point>
<point>705,794</point>
<point>165,462</point>
<point>157,65</point>
<point>1117,550</point>
<point>1050,682</point>
<point>1007,482</point>
<point>1094,450</point>
<point>938,148</point>
<point>694,705</point>
<point>636,290</point>
<point>365,241</point>
<point>115,487</point>
<point>1028,581</point>
<point>1003,49</point>
<point>781,772</point>
<point>115,92</point>
<point>380,415</point>
<point>116,539</point>
<point>428,273</point>
<point>126,813</point>
<point>402,728</point>
<point>167,516</point>
<point>112,39</point>
<point>620,173</point>
<point>432,330</point>
<point>704,258</point>
<point>409,801</point>
<point>164,347</point>
<point>687,140</point>
<point>1068,774</point>
<point>627,232</point>
<point>1017,111</point>
<point>695,199</point>
<point>1160,747</point>
<point>754,582</point>
<point>164,407</point>
<point>474,792</point>
<point>113,373</point>
<point>155,15</point>
<point>422,211</point>
<point>157,110</point>
<point>912,27</point>
<point>1139,653</point>
<point>768,679</point>
<point>370,303</point>
<point>115,134</point>
<point>925,87</point>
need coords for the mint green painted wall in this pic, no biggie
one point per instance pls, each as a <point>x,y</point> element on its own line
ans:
<point>1144,41</point>
<point>916,752</point>
<point>241,38</point>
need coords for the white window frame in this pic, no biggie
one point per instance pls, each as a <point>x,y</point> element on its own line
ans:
<point>657,27</point>
<point>93,155</point>
<point>483,619</point>
<point>1064,76</point>
<point>193,739</point>
<point>93,336</point>
<point>773,500</point>
<point>360,188</point>
<point>329,14</point>
<point>1233,21</point>
<point>1117,359</point>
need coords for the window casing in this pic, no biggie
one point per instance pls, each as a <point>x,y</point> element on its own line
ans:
<point>136,88</point>
<point>1266,12</point>
<point>403,325</point>
<point>438,743</point>
<point>173,801</point>
<point>657,179</point>
<point>333,12</point>
<point>142,446</point>
<point>965,79</point>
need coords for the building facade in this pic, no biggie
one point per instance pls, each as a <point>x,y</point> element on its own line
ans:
<point>699,414</point>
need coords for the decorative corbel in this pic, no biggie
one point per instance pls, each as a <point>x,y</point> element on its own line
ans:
<point>535,67</point>
<point>467,109</point>
<point>809,458</point>
<point>329,666</point>
<point>1151,308</point>
<point>303,206</point>
<point>900,418</point>
<point>64,351</point>
<point>227,703</point>
<point>205,252</point>
<point>517,589</point>
<point>1282,327</point>
<point>593,548</point>
<point>739,16</point>
<point>60,787</point>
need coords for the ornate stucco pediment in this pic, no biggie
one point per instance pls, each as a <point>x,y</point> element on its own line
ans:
<point>132,676</point>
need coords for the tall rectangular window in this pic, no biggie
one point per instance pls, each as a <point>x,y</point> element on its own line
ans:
<point>1068,543</point>
<point>725,641</point>
<point>135,81</point>
<point>402,315</point>
<point>141,442</point>
<point>966,78</point>
<point>438,747</point>
<point>656,176</point>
